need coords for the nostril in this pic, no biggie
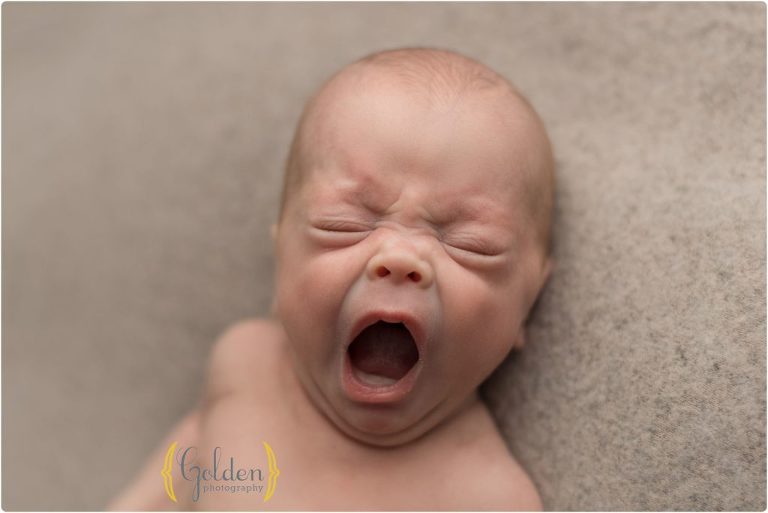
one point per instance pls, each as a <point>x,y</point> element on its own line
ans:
<point>416,277</point>
<point>382,271</point>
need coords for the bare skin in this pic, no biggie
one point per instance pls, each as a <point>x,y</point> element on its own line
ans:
<point>252,395</point>
<point>413,209</point>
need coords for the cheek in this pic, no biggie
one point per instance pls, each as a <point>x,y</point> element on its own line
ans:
<point>310,289</point>
<point>483,320</point>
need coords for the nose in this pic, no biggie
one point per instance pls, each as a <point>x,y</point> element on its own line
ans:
<point>399,262</point>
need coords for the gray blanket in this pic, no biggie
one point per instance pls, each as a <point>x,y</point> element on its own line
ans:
<point>143,147</point>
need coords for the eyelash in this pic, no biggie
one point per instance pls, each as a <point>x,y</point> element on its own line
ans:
<point>472,251</point>
<point>471,246</point>
<point>351,232</point>
<point>340,227</point>
<point>338,233</point>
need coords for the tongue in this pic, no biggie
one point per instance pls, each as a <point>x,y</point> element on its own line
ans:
<point>384,349</point>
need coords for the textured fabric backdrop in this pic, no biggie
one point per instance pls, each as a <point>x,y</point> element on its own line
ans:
<point>142,154</point>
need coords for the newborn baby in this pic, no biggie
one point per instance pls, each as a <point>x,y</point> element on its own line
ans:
<point>411,245</point>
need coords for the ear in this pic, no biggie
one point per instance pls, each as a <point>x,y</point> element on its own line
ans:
<point>549,266</point>
<point>546,271</point>
<point>522,334</point>
<point>520,339</point>
<point>273,230</point>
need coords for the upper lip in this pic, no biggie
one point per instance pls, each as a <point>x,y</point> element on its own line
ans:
<point>414,325</point>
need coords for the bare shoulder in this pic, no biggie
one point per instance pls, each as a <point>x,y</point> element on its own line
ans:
<point>246,338</point>
<point>498,482</point>
<point>504,485</point>
<point>242,354</point>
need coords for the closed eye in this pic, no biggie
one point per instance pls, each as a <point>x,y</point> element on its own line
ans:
<point>338,233</point>
<point>340,226</point>
<point>472,247</point>
<point>473,250</point>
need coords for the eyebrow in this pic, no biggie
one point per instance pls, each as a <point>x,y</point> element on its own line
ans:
<point>366,187</point>
<point>468,209</point>
<point>347,190</point>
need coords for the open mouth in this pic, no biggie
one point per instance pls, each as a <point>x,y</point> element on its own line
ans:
<point>383,353</point>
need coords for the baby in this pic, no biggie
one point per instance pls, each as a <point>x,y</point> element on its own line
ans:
<point>411,245</point>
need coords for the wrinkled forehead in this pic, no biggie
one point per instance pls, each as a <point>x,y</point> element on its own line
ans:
<point>486,140</point>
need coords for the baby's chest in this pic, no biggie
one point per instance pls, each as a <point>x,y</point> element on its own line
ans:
<point>299,464</point>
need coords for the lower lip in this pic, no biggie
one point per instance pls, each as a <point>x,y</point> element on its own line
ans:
<point>361,392</point>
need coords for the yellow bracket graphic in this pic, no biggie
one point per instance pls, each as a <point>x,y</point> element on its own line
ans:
<point>166,472</point>
<point>273,472</point>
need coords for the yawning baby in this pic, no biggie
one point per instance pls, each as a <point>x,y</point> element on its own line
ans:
<point>411,245</point>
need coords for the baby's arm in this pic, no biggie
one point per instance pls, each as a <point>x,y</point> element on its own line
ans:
<point>229,368</point>
<point>146,492</point>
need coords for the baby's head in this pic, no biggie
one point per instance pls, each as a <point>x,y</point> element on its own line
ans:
<point>413,238</point>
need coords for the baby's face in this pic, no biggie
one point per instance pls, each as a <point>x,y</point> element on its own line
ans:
<point>407,259</point>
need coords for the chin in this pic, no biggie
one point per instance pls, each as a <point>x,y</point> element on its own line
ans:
<point>388,424</point>
<point>383,428</point>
